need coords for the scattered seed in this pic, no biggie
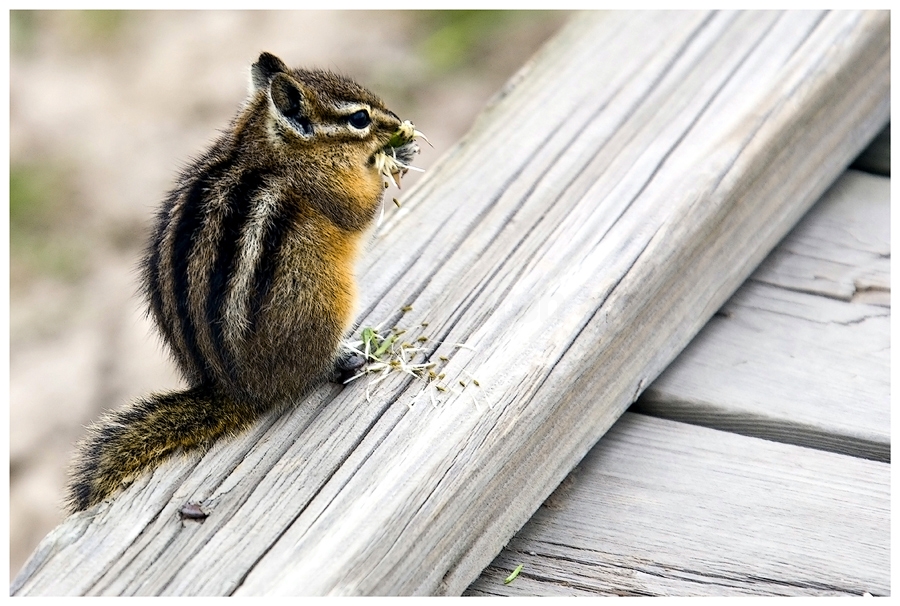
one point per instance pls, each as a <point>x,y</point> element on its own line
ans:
<point>406,308</point>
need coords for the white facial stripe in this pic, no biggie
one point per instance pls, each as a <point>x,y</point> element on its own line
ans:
<point>330,130</point>
<point>345,108</point>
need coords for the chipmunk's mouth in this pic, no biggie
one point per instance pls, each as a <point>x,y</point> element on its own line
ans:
<point>395,158</point>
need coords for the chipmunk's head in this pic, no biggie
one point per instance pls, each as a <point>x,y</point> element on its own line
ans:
<point>324,117</point>
<point>334,142</point>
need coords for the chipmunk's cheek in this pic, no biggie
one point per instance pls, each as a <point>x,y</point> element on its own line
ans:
<point>375,181</point>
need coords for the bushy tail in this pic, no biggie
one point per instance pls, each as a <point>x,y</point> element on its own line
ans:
<point>135,439</point>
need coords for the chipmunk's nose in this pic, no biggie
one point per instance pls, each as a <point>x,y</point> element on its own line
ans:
<point>395,117</point>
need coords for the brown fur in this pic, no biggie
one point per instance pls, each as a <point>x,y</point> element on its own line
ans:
<point>249,273</point>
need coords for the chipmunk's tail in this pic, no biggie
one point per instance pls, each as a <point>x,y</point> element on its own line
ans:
<point>135,439</point>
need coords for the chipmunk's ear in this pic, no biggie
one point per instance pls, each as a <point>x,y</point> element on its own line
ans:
<point>265,68</point>
<point>290,100</point>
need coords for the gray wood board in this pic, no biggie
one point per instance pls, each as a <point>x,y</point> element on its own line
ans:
<point>660,507</point>
<point>608,201</point>
<point>801,353</point>
<point>842,248</point>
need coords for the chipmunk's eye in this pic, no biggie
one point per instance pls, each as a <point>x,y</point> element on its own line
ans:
<point>359,119</point>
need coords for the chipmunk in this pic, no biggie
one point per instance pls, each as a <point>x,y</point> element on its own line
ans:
<point>249,271</point>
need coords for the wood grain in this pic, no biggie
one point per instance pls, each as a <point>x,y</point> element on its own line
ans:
<point>604,206</point>
<point>842,249</point>
<point>801,353</point>
<point>665,508</point>
<point>630,521</point>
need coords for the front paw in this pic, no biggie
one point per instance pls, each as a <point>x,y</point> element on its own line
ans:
<point>346,366</point>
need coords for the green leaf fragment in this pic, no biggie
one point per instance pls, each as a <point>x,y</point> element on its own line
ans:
<point>514,574</point>
<point>398,139</point>
<point>384,346</point>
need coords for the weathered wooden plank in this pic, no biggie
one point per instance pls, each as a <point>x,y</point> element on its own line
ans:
<point>602,209</point>
<point>804,361</point>
<point>567,546</point>
<point>842,249</point>
<point>665,508</point>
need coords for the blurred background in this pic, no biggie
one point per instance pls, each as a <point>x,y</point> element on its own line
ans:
<point>105,107</point>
